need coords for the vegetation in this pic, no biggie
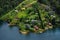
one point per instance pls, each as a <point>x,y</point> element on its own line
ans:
<point>8,5</point>
<point>30,15</point>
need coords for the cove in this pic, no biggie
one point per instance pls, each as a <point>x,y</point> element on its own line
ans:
<point>7,33</point>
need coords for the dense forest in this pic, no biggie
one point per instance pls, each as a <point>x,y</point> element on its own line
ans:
<point>31,15</point>
<point>55,4</point>
<point>8,5</point>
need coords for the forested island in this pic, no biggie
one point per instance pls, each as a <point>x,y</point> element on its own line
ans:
<point>31,15</point>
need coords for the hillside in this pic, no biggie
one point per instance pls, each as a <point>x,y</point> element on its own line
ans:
<point>30,15</point>
<point>8,5</point>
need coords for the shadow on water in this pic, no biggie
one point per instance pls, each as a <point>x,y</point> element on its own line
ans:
<point>7,33</point>
<point>1,22</point>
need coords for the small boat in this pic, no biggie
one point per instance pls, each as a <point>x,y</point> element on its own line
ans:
<point>46,28</point>
<point>24,32</point>
<point>41,30</point>
<point>50,27</point>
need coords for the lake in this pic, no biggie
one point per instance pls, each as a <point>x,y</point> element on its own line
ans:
<point>7,33</point>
